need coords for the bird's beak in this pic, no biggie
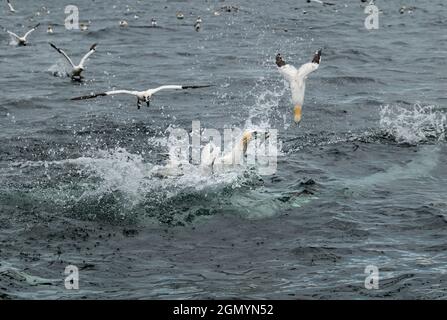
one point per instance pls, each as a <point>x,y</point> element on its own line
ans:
<point>297,113</point>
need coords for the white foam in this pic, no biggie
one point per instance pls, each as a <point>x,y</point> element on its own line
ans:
<point>413,125</point>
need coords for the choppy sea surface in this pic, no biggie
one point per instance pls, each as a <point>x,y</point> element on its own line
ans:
<point>361,181</point>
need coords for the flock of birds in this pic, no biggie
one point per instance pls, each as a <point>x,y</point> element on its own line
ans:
<point>296,78</point>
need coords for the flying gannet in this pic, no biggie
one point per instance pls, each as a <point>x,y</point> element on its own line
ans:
<point>297,80</point>
<point>22,41</point>
<point>142,96</point>
<point>11,8</point>
<point>77,69</point>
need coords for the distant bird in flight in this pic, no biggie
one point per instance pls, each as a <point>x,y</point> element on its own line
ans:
<point>76,69</point>
<point>142,96</point>
<point>11,8</point>
<point>297,80</point>
<point>22,41</point>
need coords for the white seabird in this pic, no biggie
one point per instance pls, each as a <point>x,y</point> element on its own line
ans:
<point>297,79</point>
<point>211,157</point>
<point>11,8</point>
<point>198,24</point>
<point>123,23</point>
<point>50,29</point>
<point>142,96</point>
<point>77,69</point>
<point>154,23</point>
<point>179,15</point>
<point>22,41</point>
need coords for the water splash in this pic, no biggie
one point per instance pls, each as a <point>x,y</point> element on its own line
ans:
<point>415,125</point>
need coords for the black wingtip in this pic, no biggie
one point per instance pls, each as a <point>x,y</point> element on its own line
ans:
<point>317,56</point>
<point>55,48</point>
<point>198,86</point>
<point>91,96</point>
<point>279,60</point>
<point>36,26</point>
<point>93,47</point>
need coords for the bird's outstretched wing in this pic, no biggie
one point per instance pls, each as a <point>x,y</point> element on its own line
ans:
<point>288,71</point>
<point>88,54</point>
<point>11,8</point>
<point>307,68</point>
<point>32,29</point>
<point>13,34</point>
<point>177,87</point>
<point>108,93</point>
<point>62,52</point>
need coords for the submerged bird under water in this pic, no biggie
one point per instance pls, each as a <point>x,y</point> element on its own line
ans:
<point>297,80</point>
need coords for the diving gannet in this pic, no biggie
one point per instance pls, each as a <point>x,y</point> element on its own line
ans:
<point>198,24</point>
<point>297,79</point>
<point>211,156</point>
<point>11,8</point>
<point>77,69</point>
<point>142,96</point>
<point>21,41</point>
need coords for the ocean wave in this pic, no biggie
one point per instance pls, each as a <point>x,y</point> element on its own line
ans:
<point>413,125</point>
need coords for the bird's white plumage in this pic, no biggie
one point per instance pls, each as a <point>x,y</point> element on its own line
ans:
<point>13,34</point>
<point>76,69</point>
<point>11,8</point>
<point>64,54</point>
<point>22,40</point>
<point>28,33</point>
<point>85,57</point>
<point>165,87</point>
<point>297,79</point>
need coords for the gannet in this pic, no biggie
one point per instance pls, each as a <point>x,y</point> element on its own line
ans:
<point>154,23</point>
<point>211,157</point>
<point>197,24</point>
<point>297,79</point>
<point>83,27</point>
<point>50,29</point>
<point>77,69</point>
<point>123,23</point>
<point>11,8</point>
<point>142,96</point>
<point>21,41</point>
